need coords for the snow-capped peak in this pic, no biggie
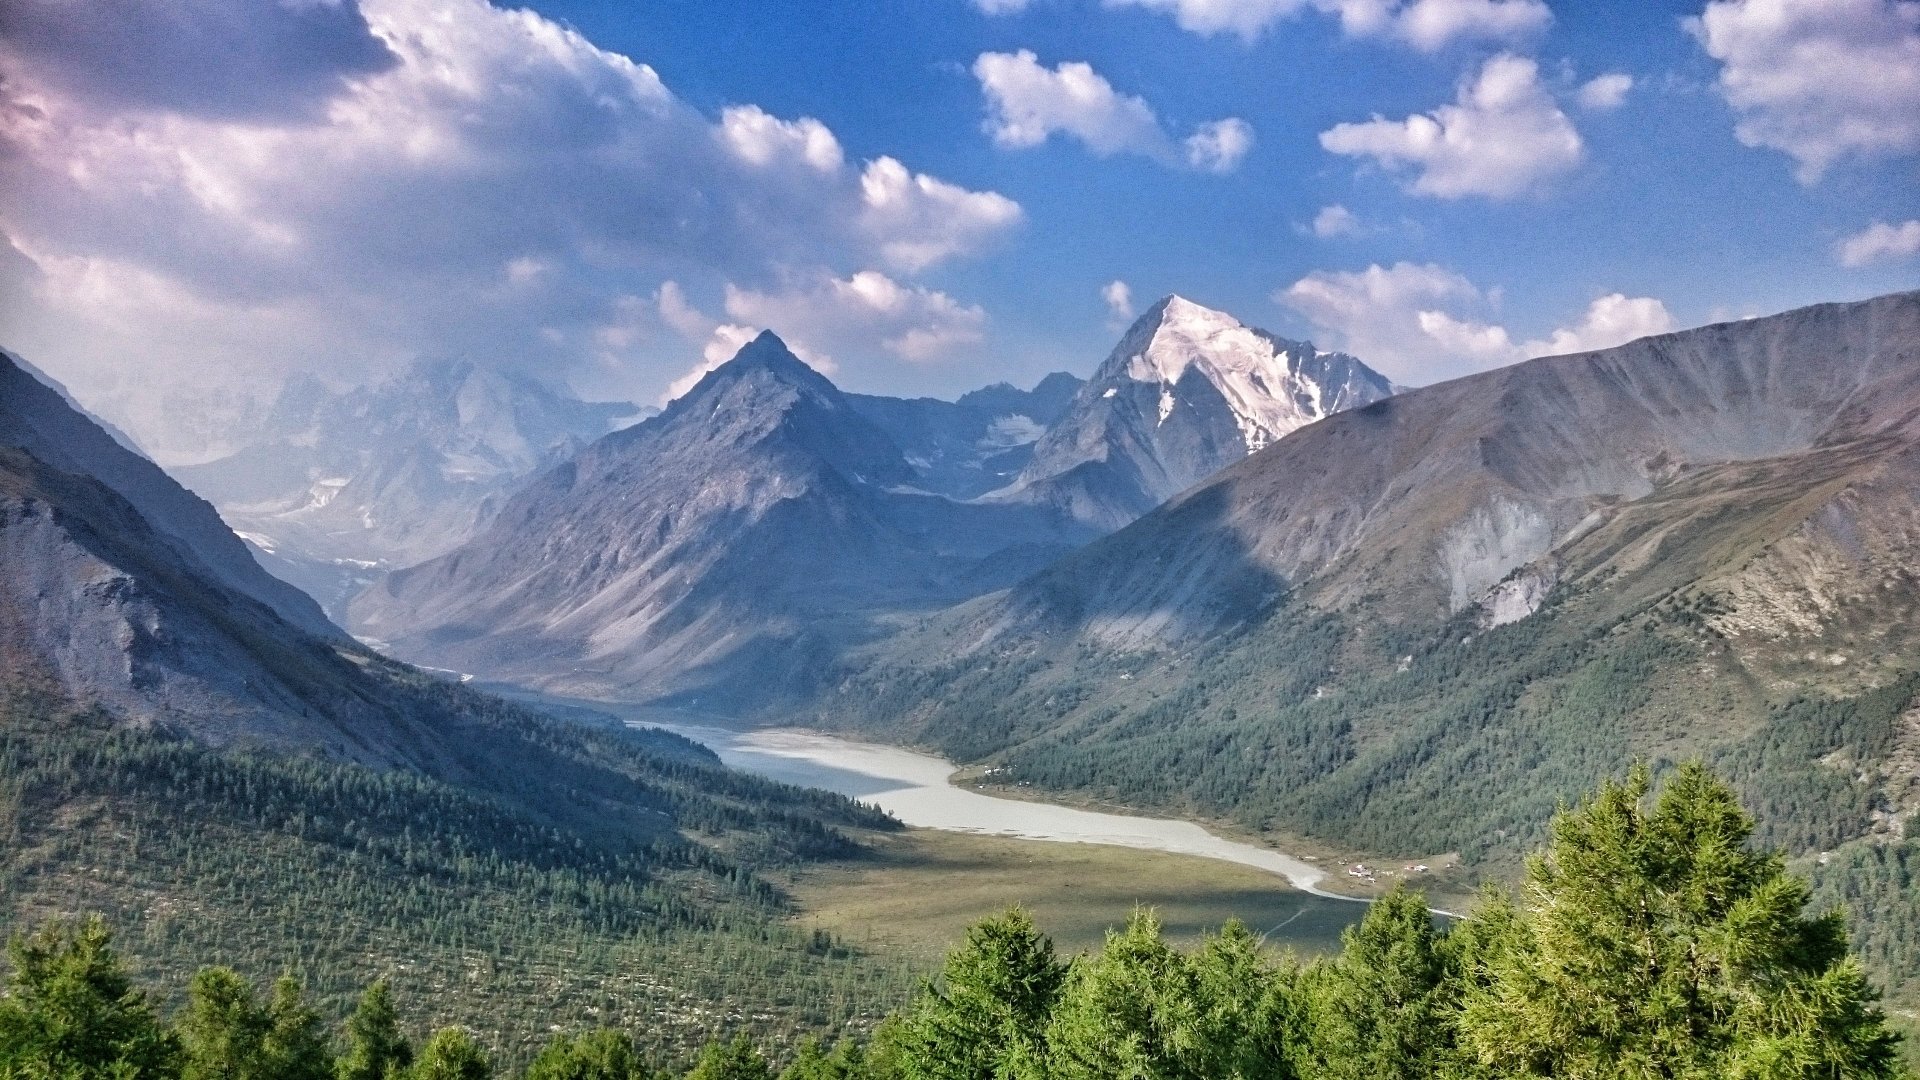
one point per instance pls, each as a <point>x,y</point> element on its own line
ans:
<point>1259,375</point>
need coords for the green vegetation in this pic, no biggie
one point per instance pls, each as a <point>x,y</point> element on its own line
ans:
<point>1404,739</point>
<point>613,877</point>
<point>915,892</point>
<point>1650,940</point>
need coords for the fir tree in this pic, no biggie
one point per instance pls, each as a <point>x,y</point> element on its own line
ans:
<point>223,1030</point>
<point>1134,1011</point>
<point>736,1060</point>
<point>987,1018</point>
<point>296,1042</point>
<point>1651,942</point>
<point>451,1054</point>
<point>1384,1007</point>
<point>604,1054</point>
<point>70,1012</point>
<point>376,1050</point>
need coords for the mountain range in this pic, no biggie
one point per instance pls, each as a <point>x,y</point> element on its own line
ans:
<point>759,524</point>
<point>336,487</point>
<point>1228,576</point>
<point>1187,392</point>
<point>38,419</point>
<point>733,548</point>
<point>1415,627</point>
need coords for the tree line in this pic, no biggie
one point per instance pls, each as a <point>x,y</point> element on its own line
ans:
<point>1649,939</point>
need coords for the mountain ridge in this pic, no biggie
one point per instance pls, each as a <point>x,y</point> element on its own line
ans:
<point>1187,391</point>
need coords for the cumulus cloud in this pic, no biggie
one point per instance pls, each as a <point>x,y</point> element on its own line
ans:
<point>1604,93</point>
<point>758,138</point>
<point>1819,80</point>
<point>819,315</point>
<point>1028,103</point>
<point>482,182</point>
<point>1218,145</point>
<point>1119,299</point>
<point>1427,25</point>
<point>1332,221</point>
<point>922,220</point>
<point>1879,242</point>
<point>1421,323</point>
<point>1504,136</point>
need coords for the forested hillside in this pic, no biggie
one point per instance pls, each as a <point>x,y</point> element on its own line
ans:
<point>1650,939</point>
<point>626,893</point>
<point>1416,628</point>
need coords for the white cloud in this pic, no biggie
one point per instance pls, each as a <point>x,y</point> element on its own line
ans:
<point>1119,298</point>
<point>1604,93</point>
<point>920,220</point>
<point>1218,145</point>
<point>1001,7</point>
<point>486,183</point>
<point>1819,80</point>
<point>1427,25</point>
<point>1879,242</point>
<point>758,138</point>
<point>1421,323</point>
<point>1504,136</point>
<point>1332,221</point>
<point>823,315</point>
<point>1027,103</point>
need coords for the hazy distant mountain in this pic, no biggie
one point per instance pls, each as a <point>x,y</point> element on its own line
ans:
<point>337,487</point>
<point>1415,625</point>
<point>1187,392</point>
<point>39,419</point>
<point>973,445</point>
<point>725,547</point>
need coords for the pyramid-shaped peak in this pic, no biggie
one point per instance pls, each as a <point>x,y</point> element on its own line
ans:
<point>1174,308</point>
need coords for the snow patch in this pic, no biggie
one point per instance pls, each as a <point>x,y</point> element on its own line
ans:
<point>1261,380</point>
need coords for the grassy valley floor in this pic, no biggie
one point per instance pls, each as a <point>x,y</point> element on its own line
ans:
<point>916,892</point>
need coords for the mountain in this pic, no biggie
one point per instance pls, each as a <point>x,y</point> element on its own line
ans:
<point>125,440</point>
<point>41,421</point>
<point>966,448</point>
<point>209,776</point>
<point>1413,627</point>
<point>1186,392</point>
<point>336,487</point>
<point>726,547</point>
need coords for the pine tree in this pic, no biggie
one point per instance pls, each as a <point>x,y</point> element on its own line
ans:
<point>1384,1007</point>
<point>1652,942</point>
<point>736,1060</point>
<point>451,1054</point>
<point>810,1062</point>
<point>223,1030</point>
<point>296,1043</point>
<point>604,1054</point>
<point>1135,1011</point>
<point>376,1050</point>
<point>988,1017</point>
<point>70,1012</point>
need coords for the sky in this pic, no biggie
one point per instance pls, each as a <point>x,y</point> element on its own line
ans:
<point>198,197</point>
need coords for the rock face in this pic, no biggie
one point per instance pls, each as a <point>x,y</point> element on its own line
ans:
<point>338,487</point>
<point>38,419</point>
<point>1484,595</point>
<point>1435,496</point>
<point>724,547</point>
<point>1187,392</point>
<point>969,447</point>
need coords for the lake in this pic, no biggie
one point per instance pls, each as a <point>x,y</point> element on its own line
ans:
<point>918,789</point>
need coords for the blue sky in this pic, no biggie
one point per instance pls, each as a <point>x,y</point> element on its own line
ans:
<point>342,187</point>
